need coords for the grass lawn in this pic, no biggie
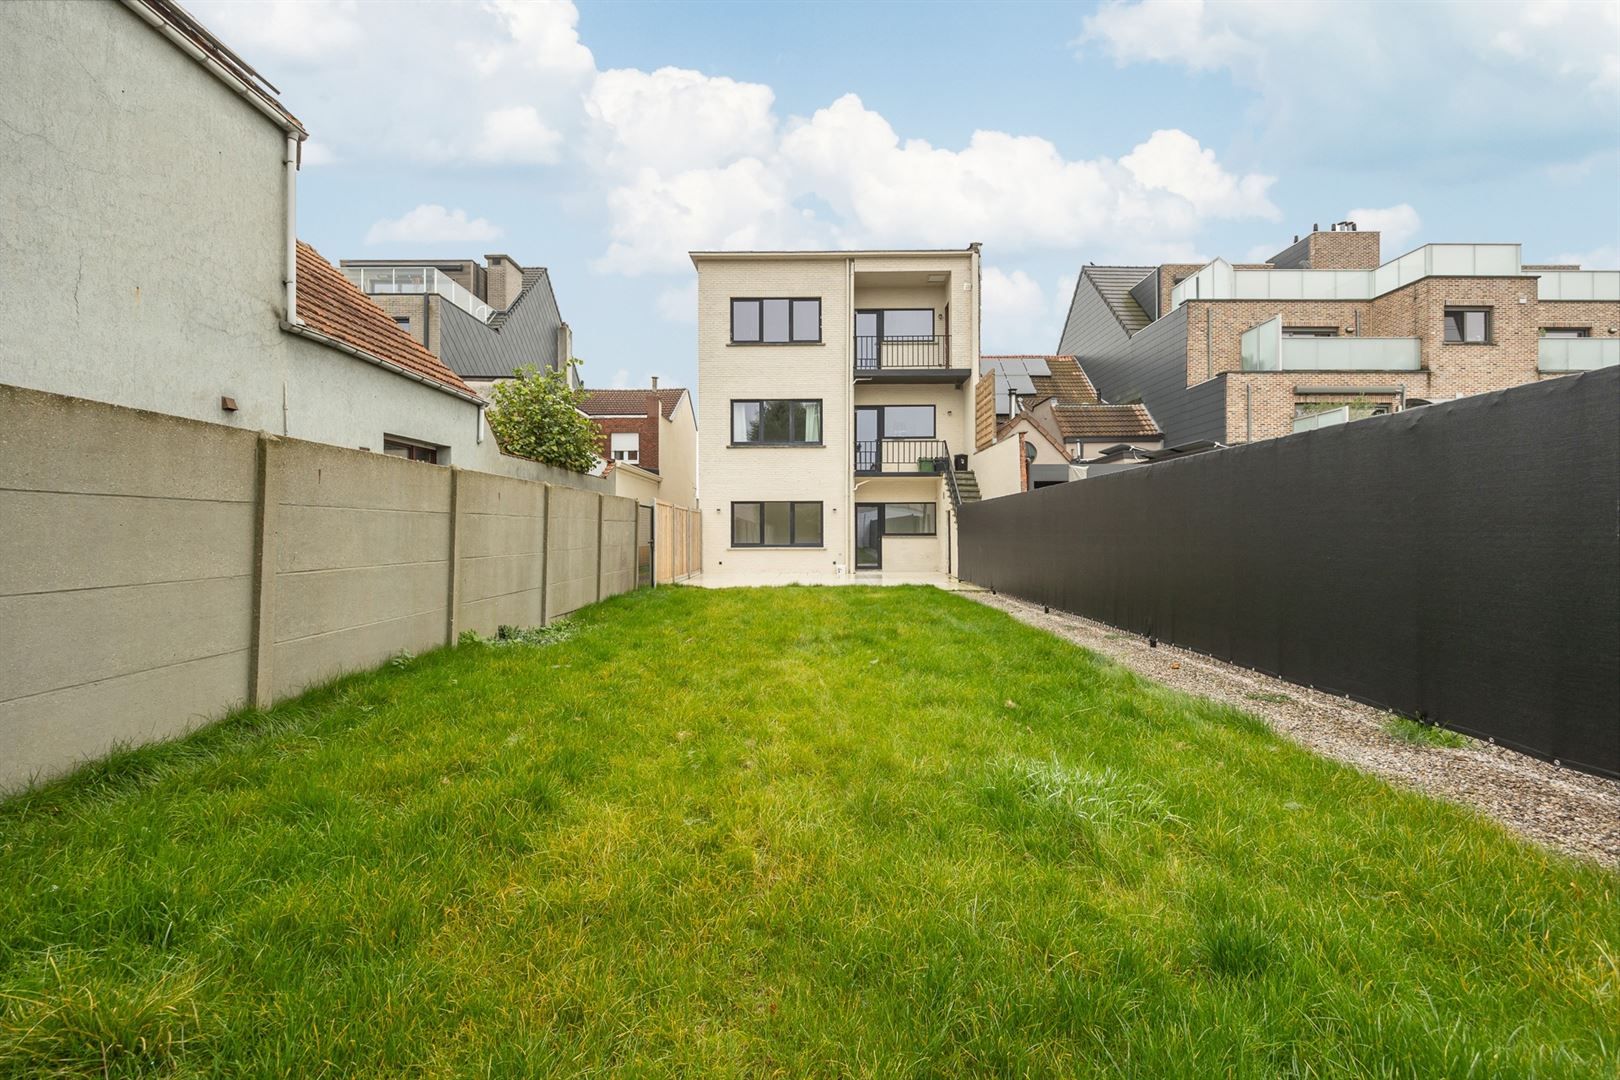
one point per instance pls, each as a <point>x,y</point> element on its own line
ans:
<point>781,832</point>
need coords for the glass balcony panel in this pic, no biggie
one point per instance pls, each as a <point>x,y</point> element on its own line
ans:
<point>1578,354</point>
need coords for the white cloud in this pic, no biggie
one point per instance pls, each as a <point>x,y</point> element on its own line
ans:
<point>1173,161</point>
<point>293,30</point>
<point>516,136</point>
<point>316,153</point>
<point>673,119</point>
<point>621,379</point>
<point>429,224</point>
<point>679,303</point>
<point>1011,296</point>
<point>1545,73</point>
<point>1606,257</point>
<point>1398,224</point>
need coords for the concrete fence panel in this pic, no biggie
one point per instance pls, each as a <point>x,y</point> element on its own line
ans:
<point>156,572</point>
<point>573,548</point>
<point>125,577</point>
<point>618,545</point>
<point>502,552</point>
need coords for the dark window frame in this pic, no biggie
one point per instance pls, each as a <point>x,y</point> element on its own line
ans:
<point>883,516</point>
<point>883,418</point>
<point>1310,331</point>
<point>415,450</point>
<point>759,301</point>
<point>1464,309</point>
<point>793,523</point>
<point>820,405</point>
<point>1566,333</point>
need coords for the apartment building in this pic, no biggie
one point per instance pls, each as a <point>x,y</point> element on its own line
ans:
<point>836,423</point>
<point>649,437</point>
<point>1324,332</point>
<point>484,320</point>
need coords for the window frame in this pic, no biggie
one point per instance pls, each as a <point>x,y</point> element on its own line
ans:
<point>817,402</point>
<point>1465,309</point>
<point>1566,333</point>
<point>759,302</point>
<point>1310,331</point>
<point>416,450</point>
<point>793,523</point>
<point>613,454</point>
<point>883,517</point>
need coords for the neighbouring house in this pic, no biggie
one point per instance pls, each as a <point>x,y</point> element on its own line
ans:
<point>162,178</point>
<point>649,440</point>
<point>837,395</point>
<point>1324,332</point>
<point>483,321</point>
<point>1049,401</point>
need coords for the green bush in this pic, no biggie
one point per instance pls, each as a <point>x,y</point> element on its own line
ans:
<point>537,415</point>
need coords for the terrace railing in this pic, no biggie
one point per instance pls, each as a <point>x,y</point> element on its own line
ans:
<point>875,354</point>
<point>901,457</point>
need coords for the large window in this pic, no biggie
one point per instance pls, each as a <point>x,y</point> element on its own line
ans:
<point>908,519</point>
<point>625,446</point>
<point>775,524</point>
<point>783,321</point>
<point>776,422</point>
<point>908,324</point>
<point>1468,326</point>
<point>907,421</point>
<point>395,446</point>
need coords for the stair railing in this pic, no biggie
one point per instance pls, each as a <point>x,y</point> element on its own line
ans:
<point>950,482</point>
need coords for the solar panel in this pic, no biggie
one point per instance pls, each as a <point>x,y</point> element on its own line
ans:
<point>1037,367</point>
<point>1021,384</point>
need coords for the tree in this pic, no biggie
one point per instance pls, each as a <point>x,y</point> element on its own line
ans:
<point>537,415</point>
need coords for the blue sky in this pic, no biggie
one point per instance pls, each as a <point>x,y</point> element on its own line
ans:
<point>607,139</point>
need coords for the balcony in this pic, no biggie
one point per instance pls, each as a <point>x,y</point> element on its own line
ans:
<point>1559,355</point>
<point>906,359</point>
<point>398,280</point>
<point>1264,348</point>
<point>1221,281</point>
<point>901,457</point>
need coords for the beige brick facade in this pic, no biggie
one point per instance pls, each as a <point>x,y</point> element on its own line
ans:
<point>728,371</point>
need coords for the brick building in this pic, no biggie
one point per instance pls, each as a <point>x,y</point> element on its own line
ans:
<point>484,320</point>
<point>1324,333</point>
<point>653,430</point>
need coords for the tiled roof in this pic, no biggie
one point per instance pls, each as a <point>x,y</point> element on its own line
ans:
<point>1106,422</point>
<point>629,402</point>
<point>330,303</point>
<point>1067,382</point>
<point>1114,283</point>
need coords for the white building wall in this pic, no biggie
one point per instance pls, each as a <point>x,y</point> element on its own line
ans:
<point>144,248</point>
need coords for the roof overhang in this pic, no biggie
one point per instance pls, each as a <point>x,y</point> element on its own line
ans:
<point>198,42</point>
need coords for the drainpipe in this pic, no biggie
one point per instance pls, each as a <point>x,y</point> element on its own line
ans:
<point>292,228</point>
<point>1248,412</point>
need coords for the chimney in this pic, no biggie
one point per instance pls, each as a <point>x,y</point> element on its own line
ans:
<point>565,346</point>
<point>655,382</point>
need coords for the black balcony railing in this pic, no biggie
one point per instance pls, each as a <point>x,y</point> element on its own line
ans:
<point>899,457</point>
<point>902,353</point>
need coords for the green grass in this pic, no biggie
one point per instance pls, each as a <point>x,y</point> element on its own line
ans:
<point>778,833</point>
<point>1411,731</point>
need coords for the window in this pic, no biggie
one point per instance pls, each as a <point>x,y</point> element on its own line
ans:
<point>908,519</point>
<point>1468,326</point>
<point>1566,331</point>
<point>782,321</point>
<point>402,321</point>
<point>775,524</point>
<point>908,324</point>
<point>625,446</point>
<point>908,422</point>
<point>776,422</point>
<point>394,446</point>
<point>1310,331</point>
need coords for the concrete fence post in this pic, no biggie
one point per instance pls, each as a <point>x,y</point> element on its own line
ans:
<point>601,511</point>
<point>267,489</point>
<point>452,621</point>
<point>545,548</point>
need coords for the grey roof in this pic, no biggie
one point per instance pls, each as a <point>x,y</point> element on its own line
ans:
<point>1016,377</point>
<point>1114,283</point>
<point>525,333</point>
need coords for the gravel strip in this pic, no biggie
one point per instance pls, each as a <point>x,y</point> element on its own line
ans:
<point>1569,811</point>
